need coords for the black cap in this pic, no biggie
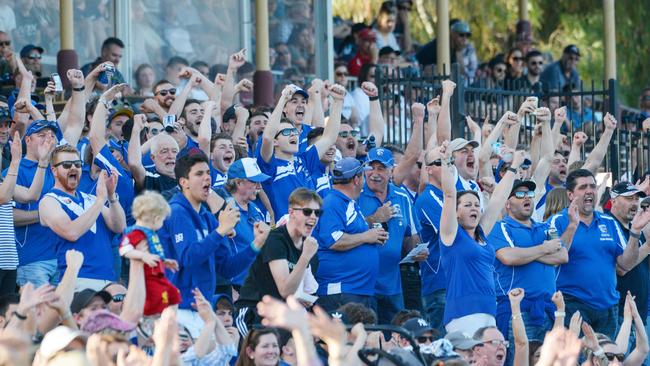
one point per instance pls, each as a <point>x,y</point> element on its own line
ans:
<point>522,183</point>
<point>417,326</point>
<point>82,298</point>
<point>573,49</point>
<point>625,189</point>
<point>27,49</point>
<point>386,50</point>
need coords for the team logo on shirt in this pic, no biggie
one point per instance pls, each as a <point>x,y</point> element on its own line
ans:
<point>178,238</point>
<point>604,233</point>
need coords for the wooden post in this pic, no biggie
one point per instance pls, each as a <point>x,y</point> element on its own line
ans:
<point>442,40</point>
<point>523,9</point>
<point>263,79</point>
<point>66,58</point>
<point>610,39</point>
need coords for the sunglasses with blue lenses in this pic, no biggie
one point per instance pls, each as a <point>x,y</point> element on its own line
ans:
<point>522,194</point>
<point>288,132</point>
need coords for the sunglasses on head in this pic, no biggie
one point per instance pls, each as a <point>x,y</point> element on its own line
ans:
<point>611,356</point>
<point>67,164</point>
<point>287,132</point>
<point>522,194</point>
<point>423,339</point>
<point>308,211</point>
<point>164,92</point>
<point>345,134</point>
<point>5,43</point>
<point>118,297</point>
<point>437,162</point>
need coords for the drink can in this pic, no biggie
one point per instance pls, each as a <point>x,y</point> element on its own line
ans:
<point>551,233</point>
<point>376,225</point>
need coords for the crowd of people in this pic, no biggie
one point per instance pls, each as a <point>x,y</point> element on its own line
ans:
<point>187,227</point>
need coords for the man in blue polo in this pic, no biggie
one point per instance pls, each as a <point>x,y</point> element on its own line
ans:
<point>384,203</point>
<point>527,253</point>
<point>597,249</point>
<point>347,249</point>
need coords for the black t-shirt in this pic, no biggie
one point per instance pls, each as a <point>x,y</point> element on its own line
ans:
<point>259,281</point>
<point>635,281</point>
<point>153,181</point>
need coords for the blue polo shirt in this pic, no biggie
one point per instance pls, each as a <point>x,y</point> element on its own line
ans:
<point>590,275</point>
<point>286,176</point>
<point>352,271</point>
<point>389,280</point>
<point>428,208</point>
<point>218,178</point>
<point>470,280</point>
<point>540,207</point>
<point>34,242</point>
<point>304,131</point>
<point>322,180</point>
<point>245,234</point>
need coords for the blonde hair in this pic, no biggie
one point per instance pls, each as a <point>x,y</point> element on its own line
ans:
<point>148,205</point>
<point>556,201</point>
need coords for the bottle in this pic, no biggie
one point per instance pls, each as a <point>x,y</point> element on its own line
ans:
<point>551,234</point>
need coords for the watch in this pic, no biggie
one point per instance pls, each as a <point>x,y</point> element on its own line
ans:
<point>511,169</point>
<point>81,88</point>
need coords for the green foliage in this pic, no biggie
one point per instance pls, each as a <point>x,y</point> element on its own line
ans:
<point>555,25</point>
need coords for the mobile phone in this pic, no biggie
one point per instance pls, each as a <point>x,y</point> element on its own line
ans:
<point>168,122</point>
<point>106,76</point>
<point>58,85</point>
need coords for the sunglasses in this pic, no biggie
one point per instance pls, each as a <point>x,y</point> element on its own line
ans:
<point>423,339</point>
<point>518,58</point>
<point>287,132</point>
<point>437,162</point>
<point>308,211</point>
<point>67,164</point>
<point>5,43</point>
<point>154,131</point>
<point>340,73</point>
<point>611,356</point>
<point>118,297</point>
<point>164,92</point>
<point>523,194</point>
<point>500,70</point>
<point>345,134</point>
<point>34,57</point>
<point>535,63</point>
<point>466,35</point>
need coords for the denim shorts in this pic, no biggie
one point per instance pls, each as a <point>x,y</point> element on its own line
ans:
<point>38,273</point>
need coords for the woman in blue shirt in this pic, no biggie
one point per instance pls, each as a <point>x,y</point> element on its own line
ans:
<point>467,259</point>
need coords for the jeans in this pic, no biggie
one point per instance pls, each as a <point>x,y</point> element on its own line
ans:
<point>388,306</point>
<point>602,321</point>
<point>38,273</point>
<point>7,281</point>
<point>411,286</point>
<point>330,303</point>
<point>434,309</point>
<point>533,333</point>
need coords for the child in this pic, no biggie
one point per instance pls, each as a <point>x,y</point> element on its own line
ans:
<point>140,242</point>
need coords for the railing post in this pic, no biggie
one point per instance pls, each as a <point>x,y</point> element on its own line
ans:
<point>614,147</point>
<point>457,102</point>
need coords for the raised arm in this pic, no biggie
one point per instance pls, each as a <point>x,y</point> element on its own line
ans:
<point>268,137</point>
<point>512,136</point>
<point>113,215</point>
<point>239,131</point>
<point>134,299</point>
<point>135,150</point>
<point>376,122</point>
<point>205,128</point>
<point>72,123</point>
<point>560,118</point>
<point>48,93</point>
<point>235,61</point>
<point>444,119</point>
<point>579,139</point>
<point>448,220</point>
<point>498,200</point>
<point>33,193</point>
<point>433,109</point>
<point>177,106</point>
<point>626,261</point>
<point>288,282</point>
<point>474,129</point>
<point>97,132</point>
<point>316,103</point>
<point>638,355</point>
<point>205,84</point>
<point>485,153</point>
<point>414,147</point>
<point>518,328</point>
<point>560,314</point>
<point>9,183</point>
<point>91,79</point>
<point>331,131</point>
<point>598,153</point>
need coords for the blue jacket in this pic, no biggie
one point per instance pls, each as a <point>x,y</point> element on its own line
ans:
<point>191,238</point>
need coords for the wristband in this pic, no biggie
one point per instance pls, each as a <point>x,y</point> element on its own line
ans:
<point>372,99</point>
<point>19,316</point>
<point>14,174</point>
<point>42,167</point>
<point>634,235</point>
<point>511,169</point>
<point>515,316</point>
<point>79,89</point>
<point>560,314</point>
<point>255,249</point>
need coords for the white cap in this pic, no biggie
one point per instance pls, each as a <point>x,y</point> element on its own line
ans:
<point>57,339</point>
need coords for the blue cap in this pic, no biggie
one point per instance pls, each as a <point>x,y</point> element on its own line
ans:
<point>381,155</point>
<point>41,124</point>
<point>347,168</point>
<point>300,91</point>
<point>247,168</point>
<point>27,49</point>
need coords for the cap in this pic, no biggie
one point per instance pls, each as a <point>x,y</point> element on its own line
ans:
<point>417,326</point>
<point>229,114</point>
<point>386,50</point>
<point>57,339</point>
<point>461,341</point>
<point>522,183</point>
<point>367,34</point>
<point>300,91</point>
<point>29,48</point>
<point>442,349</point>
<point>247,168</point>
<point>347,168</point>
<point>218,297</point>
<point>82,298</point>
<point>5,115</point>
<point>459,143</point>
<point>41,124</point>
<point>381,155</point>
<point>120,110</point>
<point>103,319</point>
<point>625,189</point>
<point>461,27</point>
<point>573,49</point>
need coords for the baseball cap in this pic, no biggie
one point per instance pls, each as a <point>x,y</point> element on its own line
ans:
<point>41,124</point>
<point>522,183</point>
<point>5,115</point>
<point>57,339</point>
<point>100,320</point>
<point>461,341</point>
<point>459,143</point>
<point>247,168</point>
<point>461,27</point>
<point>625,189</point>
<point>386,50</point>
<point>300,91</point>
<point>82,298</point>
<point>381,155</point>
<point>367,34</point>
<point>347,168</point>
<point>120,110</point>
<point>573,49</point>
<point>29,48</point>
<point>417,326</point>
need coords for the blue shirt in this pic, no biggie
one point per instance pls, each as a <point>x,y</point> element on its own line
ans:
<point>218,178</point>
<point>540,207</point>
<point>389,279</point>
<point>34,242</point>
<point>428,208</point>
<point>590,275</point>
<point>245,234</point>
<point>322,180</point>
<point>303,145</point>
<point>579,118</point>
<point>94,244</point>
<point>351,271</point>
<point>286,176</point>
<point>552,78</point>
<point>470,281</point>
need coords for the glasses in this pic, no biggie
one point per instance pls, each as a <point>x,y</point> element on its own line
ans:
<point>497,342</point>
<point>500,70</point>
<point>287,132</point>
<point>118,297</point>
<point>308,211</point>
<point>645,207</point>
<point>523,194</point>
<point>164,92</point>
<point>67,164</point>
<point>341,73</point>
<point>154,131</point>
<point>437,162</point>
<point>34,57</point>
<point>465,35</point>
<point>424,339</point>
<point>611,356</point>
<point>518,58</point>
<point>535,63</point>
<point>5,43</point>
<point>345,134</point>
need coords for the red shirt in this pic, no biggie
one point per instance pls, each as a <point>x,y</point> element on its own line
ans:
<point>354,66</point>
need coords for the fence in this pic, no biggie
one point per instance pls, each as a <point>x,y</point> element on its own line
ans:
<point>629,150</point>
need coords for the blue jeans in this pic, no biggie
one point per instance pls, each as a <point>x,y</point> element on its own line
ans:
<point>602,321</point>
<point>434,309</point>
<point>388,306</point>
<point>330,303</point>
<point>533,333</point>
<point>38,273</point>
